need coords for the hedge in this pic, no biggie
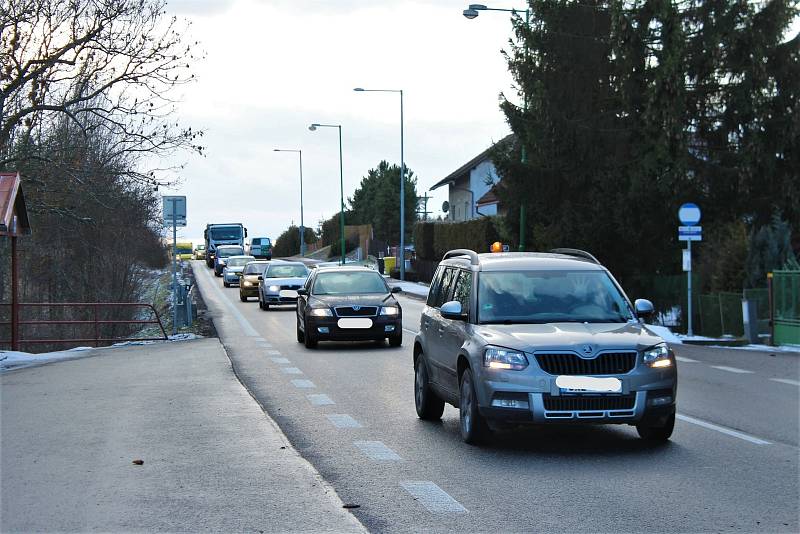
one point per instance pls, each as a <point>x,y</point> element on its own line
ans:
<point>433,239</point>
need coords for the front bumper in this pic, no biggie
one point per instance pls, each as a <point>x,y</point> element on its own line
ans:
<point>522,396</point>
<point>328,329</point>
<point>231,278</point>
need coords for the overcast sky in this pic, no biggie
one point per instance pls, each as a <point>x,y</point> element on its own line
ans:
<point>275,66</point>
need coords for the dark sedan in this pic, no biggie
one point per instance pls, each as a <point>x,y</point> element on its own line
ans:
<point>348,304</point>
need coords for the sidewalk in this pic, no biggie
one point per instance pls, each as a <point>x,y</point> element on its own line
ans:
<point>213,461</point>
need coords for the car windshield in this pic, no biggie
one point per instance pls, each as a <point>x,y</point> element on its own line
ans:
<point>226,233</point>
<point>255,268</point>
<point>224,252</point>
<point>512,297</point>
<point>201,247</point>
<point>286,271</point>
<point>349,283</point>
<point>240,262</point>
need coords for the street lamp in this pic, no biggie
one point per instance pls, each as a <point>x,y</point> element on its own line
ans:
<point>302,227</point>
<point>313,128</point>
<point>402,179</point>
<point>472,12</point>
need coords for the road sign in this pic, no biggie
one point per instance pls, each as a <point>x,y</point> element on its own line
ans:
<point>690,237</point>
<point>174,210</point>
<point>687,261</point>
<point>689,214</point>
<point>690,229</point>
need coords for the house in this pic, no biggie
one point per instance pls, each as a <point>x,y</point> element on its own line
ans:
<point>471,188</point>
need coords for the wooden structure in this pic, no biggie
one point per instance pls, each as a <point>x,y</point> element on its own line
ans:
<point>14,222</point>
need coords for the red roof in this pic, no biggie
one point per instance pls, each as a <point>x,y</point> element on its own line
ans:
<point>13,212</point>
<point>489,198</point>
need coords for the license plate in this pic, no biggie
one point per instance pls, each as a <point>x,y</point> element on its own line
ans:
<point>355,322</point>
<point>589,383</point>
<point>288,293</point>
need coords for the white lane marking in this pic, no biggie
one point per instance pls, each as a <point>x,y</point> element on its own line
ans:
<point>280,360</point>
<point>291,371</point>
<point>320,399</point>
<point>274,352</point>
<point>787,381</point>
<point>264,344</point>
<point>300,383</point>
<point>410,331</point>
<point>732,369</point>
<point>342,420</point>
<point>722,429</point>
<point>249,331</point>
<point>432,497</point>
<point>685,359</point>
<point>377,450</point>
<point>260,340</point>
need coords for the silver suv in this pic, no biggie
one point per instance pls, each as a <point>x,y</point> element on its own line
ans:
<point>539,338</point>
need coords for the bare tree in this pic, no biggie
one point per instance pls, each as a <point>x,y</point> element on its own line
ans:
<point>114,62</point>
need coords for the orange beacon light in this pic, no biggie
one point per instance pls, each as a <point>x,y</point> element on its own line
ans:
<point>497,246</point>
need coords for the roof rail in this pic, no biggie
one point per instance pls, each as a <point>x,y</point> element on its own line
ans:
<point>473,256</point>
<point>575,252</point>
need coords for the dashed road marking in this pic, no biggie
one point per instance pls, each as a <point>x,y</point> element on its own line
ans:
<point>722,429</point>
<point>377,450</point>
<point>685,359</point>
<point>275,359</point>
<point>732,369</point>
<point>320,399</point>
<point>260,340</point>
<point>342,420</point>
<point>787,381</point>
<point>291,371</point>
<point>432,497</point>
<point>274,352</point>
<point>301,383</point>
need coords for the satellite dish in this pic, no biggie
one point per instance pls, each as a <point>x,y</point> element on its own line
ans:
<point>445,206</point>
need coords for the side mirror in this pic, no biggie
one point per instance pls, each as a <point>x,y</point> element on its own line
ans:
<point>302,291</point>
<point>644,308</point>
<point>260,277</point>
<point>397,290</point>
<point>239,273</point>
<point>452,310</point>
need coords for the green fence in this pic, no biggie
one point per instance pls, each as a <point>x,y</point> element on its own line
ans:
<point>720,314</point>
<point>786,303</point>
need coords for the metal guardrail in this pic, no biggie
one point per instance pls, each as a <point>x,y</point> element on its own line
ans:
<point>96,322</point>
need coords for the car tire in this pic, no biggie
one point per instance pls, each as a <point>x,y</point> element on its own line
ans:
<point>242,297</point>
<point>657,433</point>
<point>474,429</point>
<point>429,406</point>
<point>309,340</point>
<point>300,336</point>
<point>396,340</point>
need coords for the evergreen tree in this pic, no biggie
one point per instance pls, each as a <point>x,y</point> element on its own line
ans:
<point>377,202</point>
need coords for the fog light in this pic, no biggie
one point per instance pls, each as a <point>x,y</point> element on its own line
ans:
<point>388,328</point>
<point>510,403</point>
<point>660,401</point>
<point>323,329</point>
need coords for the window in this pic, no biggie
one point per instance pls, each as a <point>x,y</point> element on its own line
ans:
<point>278,270</point>
<point>256,241</point>
<point>462,290</point>
<point>349,283</point>
<point>435,284</point>
<point>444,291</point>
<point>255,268</point>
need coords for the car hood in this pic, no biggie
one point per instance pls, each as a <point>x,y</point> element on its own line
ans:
<point>569,336</point>
<point>384,299</point>
<point>234,269</point>
<point>296,281</point>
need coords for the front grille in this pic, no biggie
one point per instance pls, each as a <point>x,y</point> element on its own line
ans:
<point>588,403</point>
<point>362,311</point>
<point>294,287</point>
<point>608,363</point>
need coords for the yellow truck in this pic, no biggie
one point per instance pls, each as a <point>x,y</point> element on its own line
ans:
<point>185,250</point>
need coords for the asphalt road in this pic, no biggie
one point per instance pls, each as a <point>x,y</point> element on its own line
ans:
<point>732,464</point>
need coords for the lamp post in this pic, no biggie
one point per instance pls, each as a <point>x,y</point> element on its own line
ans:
<point>302,227</point>
<point>402,179</point>
<point>472,12</point>
<point>313,127</point>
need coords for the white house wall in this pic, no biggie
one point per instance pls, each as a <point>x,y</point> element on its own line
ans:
<point>462,204</point>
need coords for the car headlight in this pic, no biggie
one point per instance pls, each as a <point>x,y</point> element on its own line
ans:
<point>657,356</point>
<point>500,358</point>
<point>321,312</point>
<point>390,310</point>
<point>247,284</point>
<point>274,289</point>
